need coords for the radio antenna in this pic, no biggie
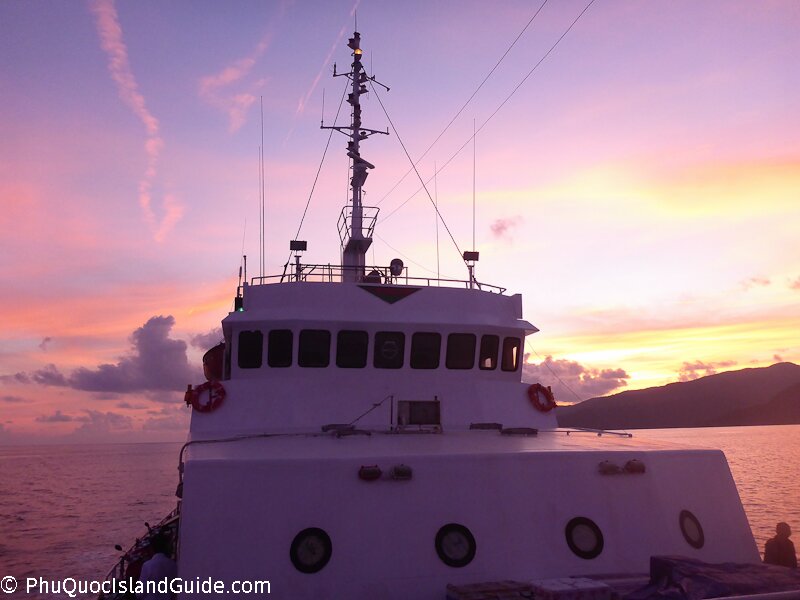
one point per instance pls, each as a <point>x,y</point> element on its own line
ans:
<point>260,212</point>
<point>436,217</point>
<point>263,196</point>
<point>474,152</point>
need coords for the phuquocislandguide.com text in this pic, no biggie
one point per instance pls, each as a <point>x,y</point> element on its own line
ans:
<point>111,587</point>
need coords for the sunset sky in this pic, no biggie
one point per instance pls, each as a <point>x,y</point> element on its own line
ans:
<point>641,188</point>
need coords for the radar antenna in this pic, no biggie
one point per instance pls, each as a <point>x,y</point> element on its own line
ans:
<point>356,222</point>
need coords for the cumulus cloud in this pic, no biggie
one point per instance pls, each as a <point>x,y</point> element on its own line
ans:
<point>48,375</point>
<point>156,363</point>
<point>565,375</point>
<point>204,341</point>
<point>693,370</point>
<point>501,228</point>
<point>14,399</point>
<point>95,422</point>
<point>92,422</point>
<point>56,417</point>
<point>130,406</point>
<point>755,282</point>
<point>111,40</point>
<point>15,378</point>
<point>169,418</point>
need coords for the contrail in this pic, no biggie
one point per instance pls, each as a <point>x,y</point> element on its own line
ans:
<point>110,32</point>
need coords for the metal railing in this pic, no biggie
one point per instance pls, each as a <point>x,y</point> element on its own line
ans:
<point>374,275</point>
<point>369,216</point>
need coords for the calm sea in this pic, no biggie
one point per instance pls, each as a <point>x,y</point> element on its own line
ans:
<point>62,508</point>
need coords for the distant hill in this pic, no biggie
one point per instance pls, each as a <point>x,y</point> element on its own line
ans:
<point>783,409</point>
<point>763,396</point>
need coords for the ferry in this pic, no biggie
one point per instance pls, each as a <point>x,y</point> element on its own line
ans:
<point>366,434</point>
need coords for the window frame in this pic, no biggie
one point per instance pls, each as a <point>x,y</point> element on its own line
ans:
<point>302,358</point>
<point>258,357</point>
<point>481,355</point>
<point>413,360</point>
<point>450,361</point>
<point>516,357</point>
<point>339,346</point>
<point>283,364</point>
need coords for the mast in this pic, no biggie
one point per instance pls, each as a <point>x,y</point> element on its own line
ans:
<point>357,221</point>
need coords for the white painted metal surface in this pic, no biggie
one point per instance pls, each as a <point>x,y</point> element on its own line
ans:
<point>245,501</point>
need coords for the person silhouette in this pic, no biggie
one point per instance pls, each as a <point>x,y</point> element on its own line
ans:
<point>159,568</point>
<point>779,550</point>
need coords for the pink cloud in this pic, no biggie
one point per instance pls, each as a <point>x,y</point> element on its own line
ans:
<point>235,104</point>
<point>56,417</point>
<point>795,284</point>
<point>501,228</point>
<point>689,371</point>
<point>572,381</point>
<point>755,281</point>
<point>110,32</point>
<point>14,399</point>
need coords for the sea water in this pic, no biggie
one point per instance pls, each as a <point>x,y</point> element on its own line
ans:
<point>63,508</point>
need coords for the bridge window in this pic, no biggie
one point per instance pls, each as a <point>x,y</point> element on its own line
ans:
<point>251,347</point>
<point>315,348</point>
<point>460,351</point>
<point>490,344</point>
<point>351,349</point>
<point>511,347</point>
<point>425,348</point>
<point>389,348</point>
<point>279,350</point>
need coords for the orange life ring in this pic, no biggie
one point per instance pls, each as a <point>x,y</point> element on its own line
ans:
<point>216,394</point>
<point>541,397</point>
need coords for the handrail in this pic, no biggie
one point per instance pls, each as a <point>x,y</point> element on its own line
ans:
<point>375,275</point>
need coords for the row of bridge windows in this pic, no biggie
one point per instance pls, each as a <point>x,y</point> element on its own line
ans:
<point>388,350</point>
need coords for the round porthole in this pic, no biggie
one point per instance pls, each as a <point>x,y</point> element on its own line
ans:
<point>311,550</point>
<point>584,538</point>
<point>455,545</point>
<point>691,529</point>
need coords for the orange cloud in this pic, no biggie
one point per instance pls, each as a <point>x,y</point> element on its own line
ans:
<point>660,354</point>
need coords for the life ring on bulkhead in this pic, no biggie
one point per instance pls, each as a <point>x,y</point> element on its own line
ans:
<point>216,394</point>
<point>541,397</point>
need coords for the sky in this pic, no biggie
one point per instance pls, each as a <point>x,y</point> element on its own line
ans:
<point>636,180</point>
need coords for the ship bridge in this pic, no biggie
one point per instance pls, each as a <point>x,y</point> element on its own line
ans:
<point>311,351</point>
